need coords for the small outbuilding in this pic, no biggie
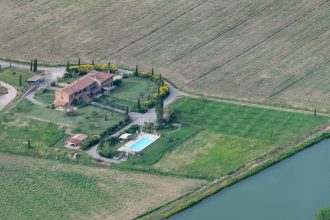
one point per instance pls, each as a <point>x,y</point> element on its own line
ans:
<point>124,136</point>
<point>76,140</point>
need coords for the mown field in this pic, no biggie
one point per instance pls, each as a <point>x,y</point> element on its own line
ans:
<point>38,189</point>
<point>231,136</point>
<point>262,51</point>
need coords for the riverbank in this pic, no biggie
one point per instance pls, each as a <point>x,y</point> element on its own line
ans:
<point>249,170</point>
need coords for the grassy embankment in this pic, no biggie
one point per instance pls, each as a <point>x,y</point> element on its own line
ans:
<point>231,136</point>
<point>34,188</point>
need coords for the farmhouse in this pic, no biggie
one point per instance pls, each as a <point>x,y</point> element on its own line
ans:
<point>76,140</point>
<point>84,89</point>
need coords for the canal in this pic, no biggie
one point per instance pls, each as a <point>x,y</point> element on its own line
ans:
<point>291,190</point>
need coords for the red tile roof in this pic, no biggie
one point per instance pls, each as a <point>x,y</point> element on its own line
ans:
<point>87,80</point>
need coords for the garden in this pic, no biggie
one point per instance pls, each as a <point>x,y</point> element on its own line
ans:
<point>16,77</point>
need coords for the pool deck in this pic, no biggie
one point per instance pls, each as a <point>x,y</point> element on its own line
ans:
<point>126,147</point>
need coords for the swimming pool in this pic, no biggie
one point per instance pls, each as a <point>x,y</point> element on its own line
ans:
<point>142,143</point>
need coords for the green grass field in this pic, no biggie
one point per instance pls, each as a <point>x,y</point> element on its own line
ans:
<point>232,136</point>
<point>45,96</point>
<point>132,89</point>
<point>15,133</point>
<point>259,51</point>
<point>88,119</point>
<point>38,189</point>
<point>6,75</point>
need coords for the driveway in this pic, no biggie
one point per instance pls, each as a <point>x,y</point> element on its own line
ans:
<point>6,99</point>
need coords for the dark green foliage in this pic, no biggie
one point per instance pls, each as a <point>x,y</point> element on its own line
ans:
<point>31,65</point>
<point>139,104</point>
<point>20,80</point>
<point>323,214</point>
<point>95,139</point>
<point>35,65</point>
<point>68,66</point>
<point>93,63</point>
<point>159,104</point>
<point>136,72</point>
<point>117,82</point>
<point>79,62</point>
<point>127,110</point>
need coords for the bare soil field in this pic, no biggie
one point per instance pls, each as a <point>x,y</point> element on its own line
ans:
<point>269,51</point>
<point>34,188</point>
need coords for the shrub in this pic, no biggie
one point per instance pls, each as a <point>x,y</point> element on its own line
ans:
<point>144,74</point>
<point>117,82</point>
<point>85,68</point>
<point>149,103</point>
<point>132,129</point>
<point>106,151</point>
<point>164,91</point>
<point>68,75</point>
<point>112,141</point>
<point>93,140</point>
<point>323,214</point>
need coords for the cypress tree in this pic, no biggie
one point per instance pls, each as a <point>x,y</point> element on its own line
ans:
<point>127,110</point>
<point>29,144</point>
<point>0,67</point>
<point>159,105</point>
<point>31,65</point>
<point>136,73</point>
<point>152,72</point>
<point>139,104</point>
<point>79,62</point>
<point>68,66</point>
<point>93,63</point>
<point>109,64</point>
<point>35,65</point>
<point>20,80</point>
<point>10,63</point>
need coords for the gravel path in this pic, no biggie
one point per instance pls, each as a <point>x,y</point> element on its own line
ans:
<point>7,98</point>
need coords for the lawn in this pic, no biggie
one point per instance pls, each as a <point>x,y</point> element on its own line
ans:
<point>88,119</point>
<point>6,75</point>
<point>3,90</point>
<point>15,133</point>
<point>37,189</point>
<point>232,136</point>
<point>132,89</point>
<point>45,96</point>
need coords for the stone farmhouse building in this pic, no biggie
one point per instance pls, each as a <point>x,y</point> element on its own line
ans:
<point>84,89</point>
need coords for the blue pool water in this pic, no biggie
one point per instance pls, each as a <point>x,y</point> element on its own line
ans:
<point>141,144</point>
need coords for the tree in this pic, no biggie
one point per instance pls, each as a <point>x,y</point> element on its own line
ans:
<point>127,110</point>
<point>139,104</point>
<point>79,62</point>
<point>0,67</point>
<point>29,144</point>
<point>14,73</point>
<point>109,64</point>
<point>315,112</point>
<point>20,80</point>
<point>323,214</point>
<point>68,66</point>
<point>93,63</point>
<point>10,63</point>
<point>35,65</point>
<point>136,73</point>
<point>31,65</point>
<point>159,110</point>
<point>152,72</point>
